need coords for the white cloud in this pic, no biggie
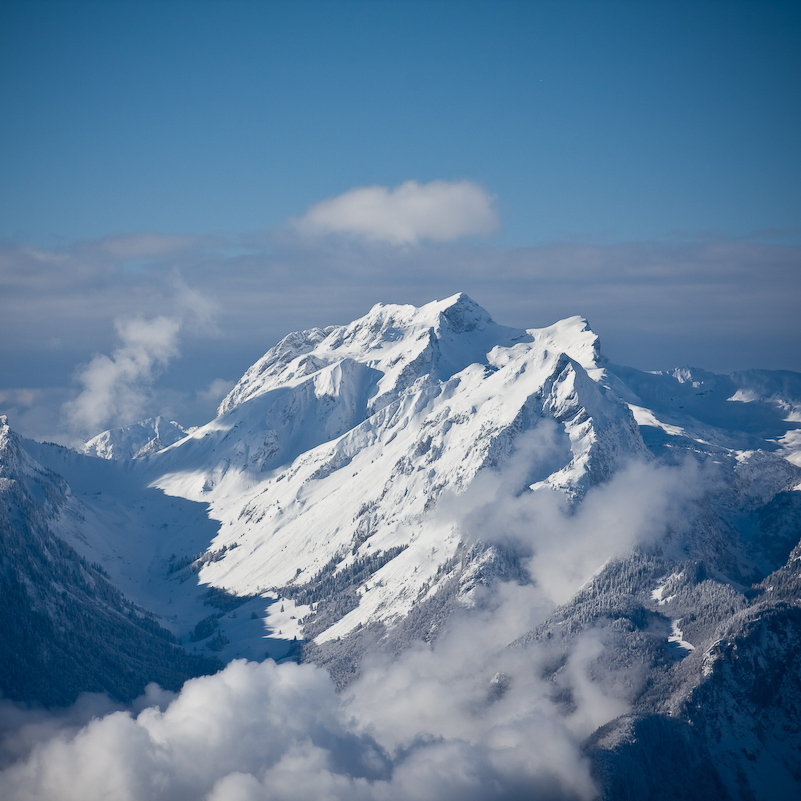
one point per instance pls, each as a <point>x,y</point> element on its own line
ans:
<point>119,389</point>
<point>197,311</point>
<point>281,732</point>
<point>465,718</point>
<point>440,211</point>
<point>215,391</point>
<point>20,396</point>
<point>568,544</point>
<point>115,388</point>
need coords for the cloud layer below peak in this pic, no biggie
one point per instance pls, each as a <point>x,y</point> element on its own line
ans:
<point>439,211</point>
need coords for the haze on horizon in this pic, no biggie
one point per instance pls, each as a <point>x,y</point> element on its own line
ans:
<point>185,183</point>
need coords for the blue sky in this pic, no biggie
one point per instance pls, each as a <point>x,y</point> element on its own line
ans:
<point>602,119</point>
<point>638,164</point>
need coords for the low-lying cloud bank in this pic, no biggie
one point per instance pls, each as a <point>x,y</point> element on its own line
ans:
<point>267,731</point>
<point>716,303</point>
<point>467,717</point>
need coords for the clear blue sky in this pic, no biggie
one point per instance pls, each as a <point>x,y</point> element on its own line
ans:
<point>641,160</point>
<point>616,119</point>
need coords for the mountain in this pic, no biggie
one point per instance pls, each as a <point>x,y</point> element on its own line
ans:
<point>135,441</point>
<point>369,486</point>
<point>340,442</point>
<point>65,628</point>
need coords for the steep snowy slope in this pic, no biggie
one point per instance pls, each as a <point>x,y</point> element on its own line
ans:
<point>65,627</point>
<point>702,626</point>
<point>151,548</point>
<point>551,530</point>
<point>329,458</point>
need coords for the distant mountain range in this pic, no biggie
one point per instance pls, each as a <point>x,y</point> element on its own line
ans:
<point>365,486</point>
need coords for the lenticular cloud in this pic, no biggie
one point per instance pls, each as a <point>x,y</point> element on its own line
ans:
<point>439,211</point>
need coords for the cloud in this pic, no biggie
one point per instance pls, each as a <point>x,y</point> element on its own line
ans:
<point>196,310</point>
<point>281,732</point>
<point>721,304</point>
<point>438,211</point>
<point>115,388</point>
<point>147,245</point>
<point>23,728</point>
<point>466,717</point>
<point>22,396</point>
<point>636,507</point>
<point>215,391</point>
<point>565,543</point>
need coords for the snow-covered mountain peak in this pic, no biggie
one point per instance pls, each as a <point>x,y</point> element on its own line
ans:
<point>461,313</point>
<point>21,473</point>
<point>402,342</point>
<point>317,385</point>
<point>335,448</point>
<point>13,458</point>
<point>458,312</point>
<point>574,337</point>
<point>9,448</point>
<point>136,440</point>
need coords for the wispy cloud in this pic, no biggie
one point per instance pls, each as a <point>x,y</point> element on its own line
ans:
<point>439,211</point>
<point>115,388</point>
<point>147,245</point>
<point>215,391</point>
<point>21,396</point>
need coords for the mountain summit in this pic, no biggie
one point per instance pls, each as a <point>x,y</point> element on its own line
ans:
<point>135,441</point>
<point>375,488</point>
<point>333,451</point>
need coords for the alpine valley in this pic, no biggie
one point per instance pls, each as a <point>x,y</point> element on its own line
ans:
<point>425,498</point>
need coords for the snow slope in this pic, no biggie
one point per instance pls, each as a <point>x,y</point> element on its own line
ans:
<point>336,446</point>
<point>332,474</point>
<point>66,627</point>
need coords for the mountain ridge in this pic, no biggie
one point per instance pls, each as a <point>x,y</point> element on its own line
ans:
<point>366,489</point>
